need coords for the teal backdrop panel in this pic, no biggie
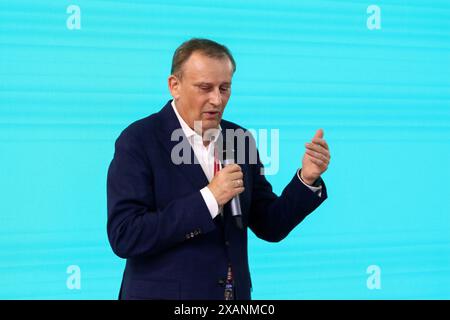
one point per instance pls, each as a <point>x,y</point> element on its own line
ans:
<point>374,75</point>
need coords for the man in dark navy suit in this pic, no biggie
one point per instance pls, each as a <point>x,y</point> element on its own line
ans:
<point>169,191</point>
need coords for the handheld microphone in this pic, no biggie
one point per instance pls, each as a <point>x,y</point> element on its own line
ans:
<point>235,203</point>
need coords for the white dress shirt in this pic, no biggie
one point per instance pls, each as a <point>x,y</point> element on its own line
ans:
<point>205,156</point>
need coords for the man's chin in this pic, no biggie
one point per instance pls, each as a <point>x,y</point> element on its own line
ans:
<point>210,124</point>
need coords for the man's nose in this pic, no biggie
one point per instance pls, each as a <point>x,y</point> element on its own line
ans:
<point>216,97</point>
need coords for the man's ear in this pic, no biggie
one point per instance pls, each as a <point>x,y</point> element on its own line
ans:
<point>174,86</point>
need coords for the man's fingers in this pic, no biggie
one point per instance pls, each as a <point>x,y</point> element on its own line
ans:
<point>320,142</point>
<point>317,155</point>
<point>319,162</point>
<point>319,134</point>
<point>239,190</point>
<point>238,175</point>
<point>238,183</point>
<point>318,148</point>
<point>232,168</point>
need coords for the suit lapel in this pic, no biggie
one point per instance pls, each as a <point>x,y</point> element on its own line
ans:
<point>172,138</point>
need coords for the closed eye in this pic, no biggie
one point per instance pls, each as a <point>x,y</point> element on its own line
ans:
<point>205,87</point>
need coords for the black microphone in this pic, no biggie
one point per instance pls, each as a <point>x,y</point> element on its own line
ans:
<point>235,203</point>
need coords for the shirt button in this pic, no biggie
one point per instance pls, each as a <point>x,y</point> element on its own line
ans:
<point>227,243</point>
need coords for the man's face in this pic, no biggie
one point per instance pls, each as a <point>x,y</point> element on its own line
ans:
<point>203,90</point>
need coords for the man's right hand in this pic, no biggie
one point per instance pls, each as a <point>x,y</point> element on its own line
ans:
<point>227,183</point>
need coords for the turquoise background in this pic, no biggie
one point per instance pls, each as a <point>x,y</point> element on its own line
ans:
<point>382,97</point>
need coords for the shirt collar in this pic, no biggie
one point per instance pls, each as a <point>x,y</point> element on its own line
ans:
<point>189,132</point>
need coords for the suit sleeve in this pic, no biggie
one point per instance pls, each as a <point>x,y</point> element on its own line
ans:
<point>135,228</point>
<point>273,217</point>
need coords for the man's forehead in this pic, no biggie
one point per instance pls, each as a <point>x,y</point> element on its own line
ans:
<point>201,66</point>
<point>200,57</point>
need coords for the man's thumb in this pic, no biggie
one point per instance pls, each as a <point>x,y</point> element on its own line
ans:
<point>319,134</point>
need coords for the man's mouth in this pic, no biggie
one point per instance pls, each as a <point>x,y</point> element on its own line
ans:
<point>211,114</point>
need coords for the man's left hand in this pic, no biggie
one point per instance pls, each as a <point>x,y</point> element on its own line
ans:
<point>316,158</point>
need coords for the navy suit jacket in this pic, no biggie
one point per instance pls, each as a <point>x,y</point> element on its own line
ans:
<point>159,222</point>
